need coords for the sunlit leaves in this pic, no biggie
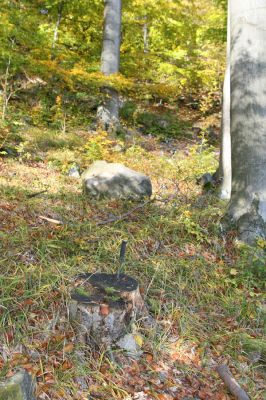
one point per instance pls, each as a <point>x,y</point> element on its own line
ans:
<point>185,38</point>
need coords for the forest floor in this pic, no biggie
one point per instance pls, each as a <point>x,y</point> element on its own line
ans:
<point>204,289</point>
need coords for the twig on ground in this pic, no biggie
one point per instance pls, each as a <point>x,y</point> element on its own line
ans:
<point>53,221</point>
<point>30,196</point>
<point>230,382</point>
<point>126,215</point>
<point>129,213</point>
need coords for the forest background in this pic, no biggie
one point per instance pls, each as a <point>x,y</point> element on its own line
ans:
<point>204,289</point>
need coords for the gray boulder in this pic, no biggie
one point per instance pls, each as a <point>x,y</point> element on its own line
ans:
<point>113,180</point>
<point>19,387</point>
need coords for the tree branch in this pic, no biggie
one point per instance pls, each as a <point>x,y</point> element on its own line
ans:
<point>230,382</point>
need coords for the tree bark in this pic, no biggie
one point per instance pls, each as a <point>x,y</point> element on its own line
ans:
<point>248,118</point>
<point>225,167</point>
<point>108,112</point>
<point>104,305</point>
<point>56,29</point>
<point>6,96</point>
<point>145,36</point>
<point>231,383</point>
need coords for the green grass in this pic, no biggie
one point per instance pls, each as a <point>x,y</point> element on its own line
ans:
<point>205,291</point>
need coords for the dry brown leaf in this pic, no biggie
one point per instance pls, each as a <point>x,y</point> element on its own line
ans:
<point>149,357</point>
<point>104,309</point>
<point>164,396</point>
<point>49,378</point>
<point>205,394</point>
<point>68,348</point>
<point>67,364</point>
<point>27,302</point>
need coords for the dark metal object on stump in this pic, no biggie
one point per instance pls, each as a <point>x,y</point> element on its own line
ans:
<point>122,256</point>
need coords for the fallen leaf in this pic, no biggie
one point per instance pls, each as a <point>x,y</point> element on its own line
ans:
<point>164,396</point>
<point>149,357</point>
<point>27,302</point>
<point>68,348</point>
<point>49,378</point>
<point>104,309</point>
<point>66,365</point>
<point>138,340</point>
<point>233,272</point>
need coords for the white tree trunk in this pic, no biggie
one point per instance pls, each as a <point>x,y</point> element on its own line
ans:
<point>248,117</point>
<point>5,95</point>
<point>108,112</point>
<point>146,36</point>
<point>56,29</point>
<point>225,167</point>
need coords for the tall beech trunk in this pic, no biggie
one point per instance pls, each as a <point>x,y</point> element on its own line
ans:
<point>248,118</point>
<point>225,165</point>
<point>108,112</point>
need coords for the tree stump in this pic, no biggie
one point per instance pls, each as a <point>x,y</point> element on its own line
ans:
<point>104,305</point>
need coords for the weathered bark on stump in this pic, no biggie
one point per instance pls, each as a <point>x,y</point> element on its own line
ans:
<point>103,306</point>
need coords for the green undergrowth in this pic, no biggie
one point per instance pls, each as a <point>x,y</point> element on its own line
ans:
<point>201,287</point>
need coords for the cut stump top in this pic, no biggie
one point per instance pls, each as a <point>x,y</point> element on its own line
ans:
<point>102,287</point>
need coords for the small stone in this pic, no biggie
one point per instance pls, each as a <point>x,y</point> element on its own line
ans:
<point>82,383</point>
<point>74,172</point>
<point>163,123</point>
<point>8,152</point>
<point>173,389</point>
<point>18,387</point>
<point>118,148</point>
<point>140,396</point>
<point>206,180</point>
<point>163,375</point>
<point>129,344</point>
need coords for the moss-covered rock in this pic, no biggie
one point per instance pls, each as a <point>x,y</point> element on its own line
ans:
<point>19,387</point>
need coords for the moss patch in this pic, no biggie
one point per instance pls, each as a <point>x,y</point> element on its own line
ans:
<point>11,392</point>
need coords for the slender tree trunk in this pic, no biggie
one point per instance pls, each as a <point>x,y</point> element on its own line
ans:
<point>6,96</point>
<point>108,112</point>
<point>248,118</point>
<point>56,29</point>
<point>225,167</point>
<point>146,36</point>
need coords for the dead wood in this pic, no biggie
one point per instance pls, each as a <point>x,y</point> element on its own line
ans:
<point>230,382</point>
<point>103,306</point>
<point>124,216</point>
<point>53,221</point>
<point>32,195</point>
